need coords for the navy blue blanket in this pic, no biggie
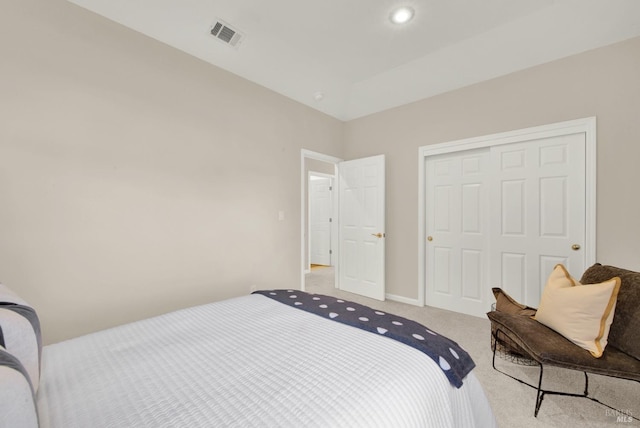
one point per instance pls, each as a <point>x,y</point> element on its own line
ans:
<point>454,361</point>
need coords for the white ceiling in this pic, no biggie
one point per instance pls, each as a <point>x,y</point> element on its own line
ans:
<point>359,60</point>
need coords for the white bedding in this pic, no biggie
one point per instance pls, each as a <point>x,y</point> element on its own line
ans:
<point>249,361</point>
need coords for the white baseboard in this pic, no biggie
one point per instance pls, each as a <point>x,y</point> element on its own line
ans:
<point>402,299</point>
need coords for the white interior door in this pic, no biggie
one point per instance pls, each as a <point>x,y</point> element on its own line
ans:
<point>320,212</point>
<point>538,213</point>
<point>362,227</point>
<point>457,221</point>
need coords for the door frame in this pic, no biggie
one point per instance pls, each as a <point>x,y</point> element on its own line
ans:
<point>309,154</point>
<point>585,125</point>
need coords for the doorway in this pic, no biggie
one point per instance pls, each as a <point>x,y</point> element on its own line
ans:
<point>320,219</point>
<point>358,256</point>
<point>319,168</point>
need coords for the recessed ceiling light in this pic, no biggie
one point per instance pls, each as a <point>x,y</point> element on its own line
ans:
<point>401,15</point>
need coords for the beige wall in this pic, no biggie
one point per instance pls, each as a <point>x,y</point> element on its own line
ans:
<point>136,179</point>
<point>604,83</point>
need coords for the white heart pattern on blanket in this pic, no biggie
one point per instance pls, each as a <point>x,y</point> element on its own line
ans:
<point>444,365</point>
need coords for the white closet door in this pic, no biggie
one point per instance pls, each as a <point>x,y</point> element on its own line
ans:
<point>457,224</point>
<point>538,213</point>
<point>503,216</point>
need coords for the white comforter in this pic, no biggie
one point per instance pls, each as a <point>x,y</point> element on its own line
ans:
<point>249,361</point>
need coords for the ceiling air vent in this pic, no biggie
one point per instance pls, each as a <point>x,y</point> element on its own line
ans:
<point>226,33</point>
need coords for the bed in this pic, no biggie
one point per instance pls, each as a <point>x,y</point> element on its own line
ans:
<point>262,360</point>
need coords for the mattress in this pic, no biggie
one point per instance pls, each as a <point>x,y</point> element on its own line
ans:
<point>250,362</point>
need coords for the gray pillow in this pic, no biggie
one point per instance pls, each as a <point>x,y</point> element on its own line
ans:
<point>20,332</point>
<point>17,399</point>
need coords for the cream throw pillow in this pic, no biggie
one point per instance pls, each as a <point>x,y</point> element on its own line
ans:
<point>581,313</point>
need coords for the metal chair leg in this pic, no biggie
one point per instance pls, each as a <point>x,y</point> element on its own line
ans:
<point>539,395</point>
<point>539,391</point>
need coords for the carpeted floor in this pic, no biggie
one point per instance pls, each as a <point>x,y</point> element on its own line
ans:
<point>513,403</point>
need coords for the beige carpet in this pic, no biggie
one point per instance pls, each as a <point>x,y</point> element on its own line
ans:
<point>512,403</point>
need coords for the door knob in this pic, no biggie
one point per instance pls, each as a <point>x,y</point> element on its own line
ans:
<point>429,238</point>
<point>378,235</point>
<point>575,247</point>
